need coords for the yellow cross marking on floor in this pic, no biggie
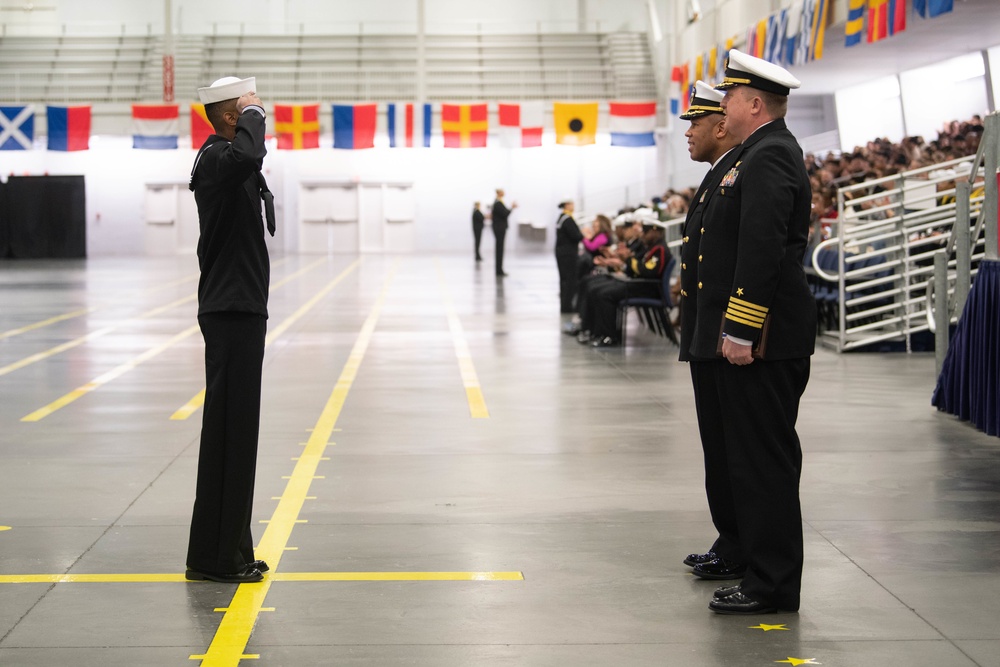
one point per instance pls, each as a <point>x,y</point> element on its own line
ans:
<point>799,661</point>
<point>766,628</point>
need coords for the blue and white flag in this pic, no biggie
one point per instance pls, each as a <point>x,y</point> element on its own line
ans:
<point>17,128</point>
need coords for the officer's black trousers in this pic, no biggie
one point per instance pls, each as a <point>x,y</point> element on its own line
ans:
<point>753,461</point>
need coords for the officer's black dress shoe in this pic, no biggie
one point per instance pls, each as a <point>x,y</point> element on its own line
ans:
<point>583,338</point>
<point>698,559</point>
<point>248,575</point>
<point>607,341</point>
<point>259,564</point>
<point>737,603</point>
<point>725,591</point>
<point>720,568</point>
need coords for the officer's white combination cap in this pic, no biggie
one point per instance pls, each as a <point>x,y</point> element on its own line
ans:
<point>744,70</point>
<point>227,88</point>
<point>707,100</point>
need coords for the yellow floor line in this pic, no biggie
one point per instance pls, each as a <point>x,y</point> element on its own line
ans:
<point>176,578</point>
<point>198,399</point>
<point>101,380</point>
<point>234,631</point>
<point>473,391</point>
<point>44,323</point>
<point>27,361</point>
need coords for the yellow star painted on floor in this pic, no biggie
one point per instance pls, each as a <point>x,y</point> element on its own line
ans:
<point>765,627</point>
<point>800,661</point>
<point>739,291</point>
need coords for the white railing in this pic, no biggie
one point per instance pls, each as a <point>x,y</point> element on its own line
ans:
<point>873,276</point>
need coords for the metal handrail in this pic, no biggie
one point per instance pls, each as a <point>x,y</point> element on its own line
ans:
<point>883,265</point>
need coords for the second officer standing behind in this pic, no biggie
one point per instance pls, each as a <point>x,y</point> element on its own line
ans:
<point>755,328</point>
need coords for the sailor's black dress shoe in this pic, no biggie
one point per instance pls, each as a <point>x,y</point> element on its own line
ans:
<point>698,559</point>
<point>259,564</point>
<point>738,603</point>
<point>720,568</point>
<point>247,575</point>
<point>725,591</point>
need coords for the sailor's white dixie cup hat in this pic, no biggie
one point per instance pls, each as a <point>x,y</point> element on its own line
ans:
<point>227,88</point>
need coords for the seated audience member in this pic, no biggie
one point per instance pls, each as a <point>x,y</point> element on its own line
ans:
<point>596,236</point>
<point>599,315</point>
<point>614,263</point>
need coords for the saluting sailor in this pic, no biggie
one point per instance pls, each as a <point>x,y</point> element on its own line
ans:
<point>232,312</point>
<point>753,332</point>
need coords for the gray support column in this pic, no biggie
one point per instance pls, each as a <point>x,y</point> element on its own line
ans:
<point>941,319</point>
<point>991,154</point>
<point>168,51</point>
<point>963,246</point>
<point>421,52</point>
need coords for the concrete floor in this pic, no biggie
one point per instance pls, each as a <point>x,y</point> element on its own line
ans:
<point>583,485</point>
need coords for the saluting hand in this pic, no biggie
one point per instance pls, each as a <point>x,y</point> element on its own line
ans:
<point>249,99</point>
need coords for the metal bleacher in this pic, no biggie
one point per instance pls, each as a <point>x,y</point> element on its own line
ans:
<point>121,69</point>
<point>873,276</point>
<point>75,69</point>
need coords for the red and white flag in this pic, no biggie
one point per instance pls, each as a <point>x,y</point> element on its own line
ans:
<point>521,124</point>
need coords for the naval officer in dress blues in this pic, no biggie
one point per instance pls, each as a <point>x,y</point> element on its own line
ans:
<point>708,141</point>
<point>756,316</point>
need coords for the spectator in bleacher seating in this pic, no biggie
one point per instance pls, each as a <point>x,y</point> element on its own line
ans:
<point>500,216</point>
<point>568,237</point>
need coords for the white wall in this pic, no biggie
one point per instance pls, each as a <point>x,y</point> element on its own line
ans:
<point>868,111</point>
<point>954,89</point>
<point>446,182</point>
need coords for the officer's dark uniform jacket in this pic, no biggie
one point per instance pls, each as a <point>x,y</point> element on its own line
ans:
<point>235,269</point>
<point>752,238</point>
<point>690,246</point>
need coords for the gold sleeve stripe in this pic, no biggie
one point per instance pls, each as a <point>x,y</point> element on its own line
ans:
<point>635,265</point>
<point>755,325</point>
<point>747,314</point>
<point>744,309</point>
<point>747,304</point>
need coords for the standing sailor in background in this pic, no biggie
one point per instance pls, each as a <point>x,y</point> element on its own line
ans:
<point>499,218</point>
<point>568,237</point>
<point>232,312</point>
<point>478,221</point>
